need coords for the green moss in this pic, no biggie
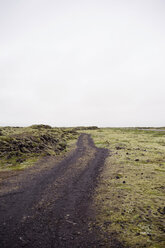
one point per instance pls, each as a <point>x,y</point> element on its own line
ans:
<point>161,170</point>
<point>5,138</point>
<point>132,208</point>
<point>15,166</point>
<point>20,144</point>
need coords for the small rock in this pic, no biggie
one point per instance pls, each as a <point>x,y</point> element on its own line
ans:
<point>161,210</point>
<point>63,238</point>
<point>124,182</point>
<point>119,147</point>
<point>19,160</point>
<point>137,234</point>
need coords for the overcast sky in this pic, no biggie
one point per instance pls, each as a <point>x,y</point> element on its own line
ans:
<point>82,62</point>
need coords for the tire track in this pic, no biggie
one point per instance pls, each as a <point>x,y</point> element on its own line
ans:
<point>53,209</point>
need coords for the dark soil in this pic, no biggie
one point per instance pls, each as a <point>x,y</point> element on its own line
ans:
<point>51,206</point>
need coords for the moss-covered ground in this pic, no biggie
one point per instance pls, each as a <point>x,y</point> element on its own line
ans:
<point>21,147</point>
<point>130,197</point>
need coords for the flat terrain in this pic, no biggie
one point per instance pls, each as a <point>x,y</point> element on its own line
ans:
<point>106,193</point>
<point>50,206</point>
<point>130,196</point>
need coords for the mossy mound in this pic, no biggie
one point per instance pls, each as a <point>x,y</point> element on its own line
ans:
<point>18,144</point>
<point>36,126</point>
<point>86,128</point>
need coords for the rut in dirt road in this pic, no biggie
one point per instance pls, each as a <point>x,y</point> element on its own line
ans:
<point>52,208</point>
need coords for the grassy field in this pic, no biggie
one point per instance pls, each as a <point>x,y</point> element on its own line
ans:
<point>130,198</point>
<point>21,147</point>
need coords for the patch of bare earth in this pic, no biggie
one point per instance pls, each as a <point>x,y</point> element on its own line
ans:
<point>50,204</point>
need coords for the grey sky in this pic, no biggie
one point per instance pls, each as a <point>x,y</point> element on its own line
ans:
<point>87,62</point>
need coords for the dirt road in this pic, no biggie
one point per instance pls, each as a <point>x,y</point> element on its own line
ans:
<point>50,206</point>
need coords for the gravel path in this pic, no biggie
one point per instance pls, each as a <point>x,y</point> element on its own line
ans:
<point>50,207</point>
